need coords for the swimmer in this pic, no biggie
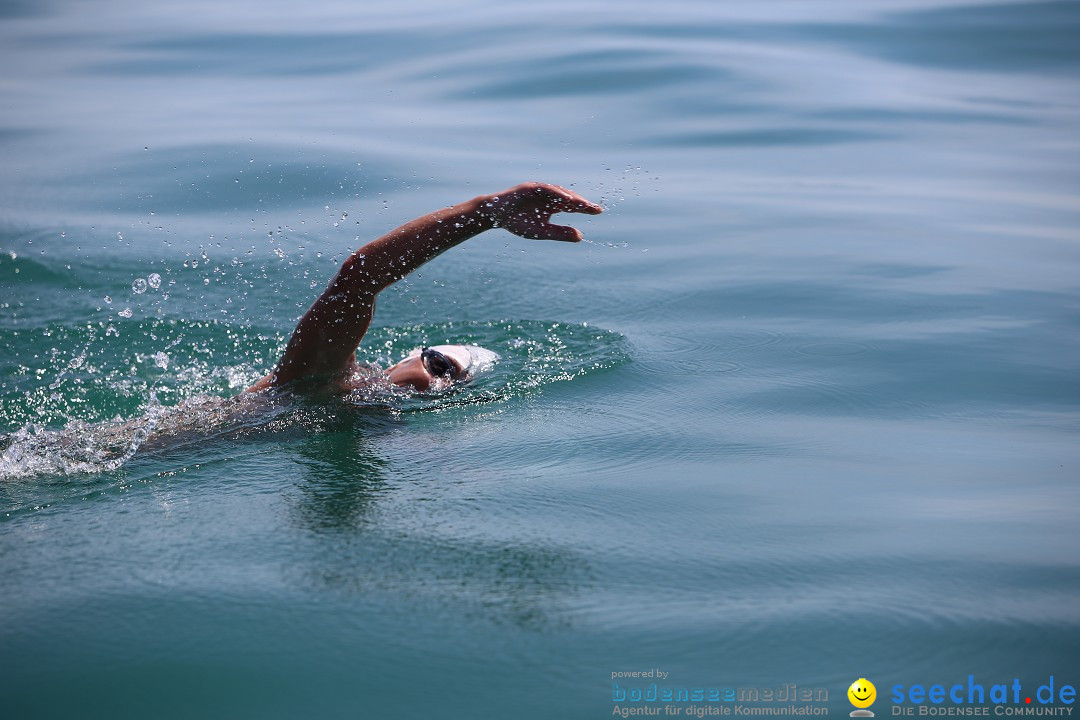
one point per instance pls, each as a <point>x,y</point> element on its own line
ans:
<point>322,349</point>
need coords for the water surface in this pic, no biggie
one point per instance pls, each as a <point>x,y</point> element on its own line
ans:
<point>802,409</point>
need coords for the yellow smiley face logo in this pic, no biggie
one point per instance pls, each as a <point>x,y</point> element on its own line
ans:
<point>862,693</point>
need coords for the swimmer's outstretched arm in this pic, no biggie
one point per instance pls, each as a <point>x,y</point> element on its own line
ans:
<point>326,337</point>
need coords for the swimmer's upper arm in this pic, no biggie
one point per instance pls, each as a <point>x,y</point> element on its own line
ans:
<point>326,337</point>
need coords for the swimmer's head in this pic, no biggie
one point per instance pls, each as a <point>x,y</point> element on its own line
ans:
<point>440,366</point>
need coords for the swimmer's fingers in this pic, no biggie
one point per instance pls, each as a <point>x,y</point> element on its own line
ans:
<point>538,228</point>
<point>563,200</point>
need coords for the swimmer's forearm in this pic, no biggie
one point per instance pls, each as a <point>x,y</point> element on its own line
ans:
<point>384,261</point>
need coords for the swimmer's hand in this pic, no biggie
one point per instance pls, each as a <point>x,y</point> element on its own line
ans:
<point>526,210</point>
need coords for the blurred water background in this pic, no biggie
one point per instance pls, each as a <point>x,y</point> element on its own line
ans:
<point>802,409</point>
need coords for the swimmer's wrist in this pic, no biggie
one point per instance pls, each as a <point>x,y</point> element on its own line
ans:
<point>483,211</point>
<point>468,218</point>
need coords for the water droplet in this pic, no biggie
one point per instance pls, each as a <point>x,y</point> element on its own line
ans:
<point>138,286</point>
<point>108,300</point>
<point>154,280</point>
<point>119,236</point>
<point>125,313</point>
<point>161,360</point>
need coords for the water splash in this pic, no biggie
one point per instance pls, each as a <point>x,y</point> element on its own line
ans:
<point>78,448</point>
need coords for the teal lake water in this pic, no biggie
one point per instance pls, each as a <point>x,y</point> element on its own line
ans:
<point>803,408</point>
